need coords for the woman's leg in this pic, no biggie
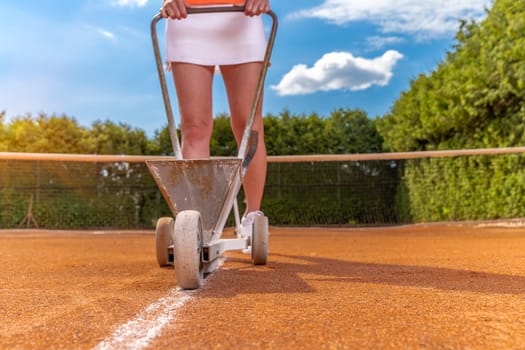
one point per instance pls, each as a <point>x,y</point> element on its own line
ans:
<point>241,82</point>
<point>193,84</point>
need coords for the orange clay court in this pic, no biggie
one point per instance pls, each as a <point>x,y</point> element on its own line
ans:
<point>452,286</point>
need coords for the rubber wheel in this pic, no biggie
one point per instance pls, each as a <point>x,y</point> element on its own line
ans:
<point>163,239</point>
<point>187,241</point>
<point>260,241</point>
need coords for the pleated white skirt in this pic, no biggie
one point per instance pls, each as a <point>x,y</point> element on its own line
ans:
<point>214,39</point>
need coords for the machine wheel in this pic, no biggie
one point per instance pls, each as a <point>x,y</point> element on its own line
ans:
<point>187,240</point>
<point>163,239</point>
<point>260,240</point>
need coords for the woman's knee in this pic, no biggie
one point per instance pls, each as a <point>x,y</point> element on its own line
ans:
<point>197,131</point>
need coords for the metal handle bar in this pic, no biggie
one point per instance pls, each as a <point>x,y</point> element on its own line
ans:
<point>260,85</point>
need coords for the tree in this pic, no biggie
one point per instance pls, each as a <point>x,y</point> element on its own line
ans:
<point>110,138</point>
<point>161,143</point>
<point>222,139</point>
<point>43,134</point>
<point>351,131</point>
<point>3,133</point>
<point>306,134</point>
<point>475,98</point>
<point>343,131</point>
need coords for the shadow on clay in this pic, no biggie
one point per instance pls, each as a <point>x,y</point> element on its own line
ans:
<point>294,274</point>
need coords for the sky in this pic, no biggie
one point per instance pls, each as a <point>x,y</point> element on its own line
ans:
<point>92,60</point>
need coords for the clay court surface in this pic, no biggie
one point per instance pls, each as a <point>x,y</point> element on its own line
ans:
<point>413,287</point>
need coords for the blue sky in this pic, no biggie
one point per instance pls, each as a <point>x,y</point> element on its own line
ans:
<point>92,59</point>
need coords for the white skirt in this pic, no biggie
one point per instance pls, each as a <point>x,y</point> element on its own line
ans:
<point>214,39</point>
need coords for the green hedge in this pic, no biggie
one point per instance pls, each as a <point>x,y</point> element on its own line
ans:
<point>466,188</point>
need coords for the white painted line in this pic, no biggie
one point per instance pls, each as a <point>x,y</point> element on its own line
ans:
<point>139,332</point>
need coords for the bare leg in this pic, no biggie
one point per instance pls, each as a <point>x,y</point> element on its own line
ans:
<point>241,82</point>
<point>194,93</point>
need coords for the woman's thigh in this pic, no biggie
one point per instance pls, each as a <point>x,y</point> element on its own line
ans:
<point>194,92</point>
<point>241,83</point>
<point>193,84</point>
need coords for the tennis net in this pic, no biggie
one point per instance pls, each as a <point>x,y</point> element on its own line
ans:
<point>58,191</point>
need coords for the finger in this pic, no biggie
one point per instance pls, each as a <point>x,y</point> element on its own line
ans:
<point>249,8</point>
<point>181,9</point>
<point>164,11</point>
<point>177,14</point>
<point>255,8</point>
<point>265,8</point>
<point>253,11</point>
<point>168,12</point>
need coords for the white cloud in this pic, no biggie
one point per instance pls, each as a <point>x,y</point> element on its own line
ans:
<point>107,34</point>
<point>339,71</point>
<point>104,33</point>
<point>130,3</point>
<point>378,42</point>
<point>421,18</point>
